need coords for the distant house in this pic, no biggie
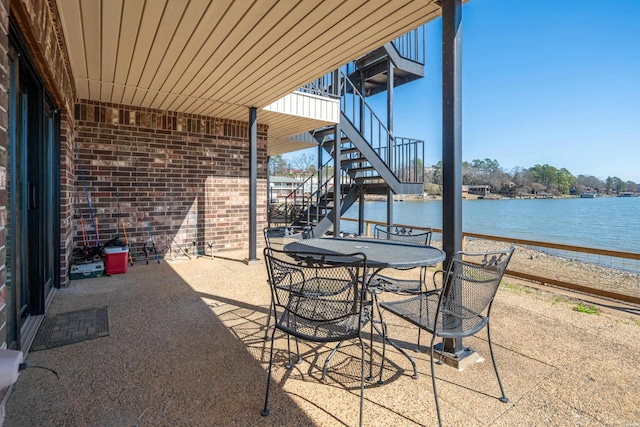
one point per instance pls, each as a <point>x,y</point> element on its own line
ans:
<point>281,186</point>
<point>479,190</point>
<point>299,174</point>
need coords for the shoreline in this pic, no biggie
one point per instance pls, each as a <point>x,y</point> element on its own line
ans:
<point>413,197</point>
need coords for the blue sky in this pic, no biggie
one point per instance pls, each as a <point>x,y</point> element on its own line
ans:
<point>543,82</point>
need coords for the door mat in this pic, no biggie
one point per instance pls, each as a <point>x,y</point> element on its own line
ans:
<point>72,327</point>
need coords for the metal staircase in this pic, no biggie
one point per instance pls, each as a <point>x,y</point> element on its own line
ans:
<point>372,159</point>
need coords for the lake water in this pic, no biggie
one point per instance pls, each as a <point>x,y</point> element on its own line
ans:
<point>603,222</point>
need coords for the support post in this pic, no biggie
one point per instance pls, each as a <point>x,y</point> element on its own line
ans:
<point>253,184</point>
<point>390,137</point>
<point>361,214</point>
<point>452,145</point>
<point>336,181</point>
<point>269,192</point>
<point>336,163</point>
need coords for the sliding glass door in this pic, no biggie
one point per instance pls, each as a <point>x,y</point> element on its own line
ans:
<point>32,195</point>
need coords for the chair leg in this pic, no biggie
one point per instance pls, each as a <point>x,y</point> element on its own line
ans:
<point>384,348</point>
<point>373,297</point>
<point>266,330</point>
<point>385,338</point>
<point>375,306</point>
<point>504,398</point>
<point>361,379</point>
<point>423,288</point>
<point>289,364</point>
<point>265,410</point>
<point>433,381</point>
<point>298,352</point>
<point>328,359</point>
<point>441,355</point>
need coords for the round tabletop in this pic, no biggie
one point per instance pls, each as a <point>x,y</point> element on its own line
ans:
<point>380,253</point>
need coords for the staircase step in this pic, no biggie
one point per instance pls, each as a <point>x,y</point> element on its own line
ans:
<point>372,57</point>
<point>370,180</point>
<point>362,169</point>
<point>344,140</point>
<point>354,163</point>
<point>323,132</point>
<point>377,189</point>
<point>353,160</point>
<point>349,150</point>
<point>344,151</point>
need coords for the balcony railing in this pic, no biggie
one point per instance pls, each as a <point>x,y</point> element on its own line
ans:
<point>402,155</point>
<point>309,200</point>
<point>412,45</point>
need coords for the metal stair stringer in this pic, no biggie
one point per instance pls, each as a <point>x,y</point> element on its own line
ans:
<point>370,154</point>
<point>403,63</point>
<point>326,223</point>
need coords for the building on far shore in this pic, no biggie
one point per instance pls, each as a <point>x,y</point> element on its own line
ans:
<point>476,190</point>
<point>281,186</point>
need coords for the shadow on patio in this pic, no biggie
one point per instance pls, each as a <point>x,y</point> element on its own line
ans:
<point>186,347</point>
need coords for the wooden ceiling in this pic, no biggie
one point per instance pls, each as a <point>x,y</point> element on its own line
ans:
<point>219,57</point>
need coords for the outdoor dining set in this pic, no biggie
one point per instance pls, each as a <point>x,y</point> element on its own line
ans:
<point>327,290</point>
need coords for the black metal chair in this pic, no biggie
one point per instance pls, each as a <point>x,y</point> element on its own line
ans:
<point>407,235</point>
<point>403,234</point>
<point>276,238</point>
<point>317,298</point>
<point>396,285</point>
<point>461,308</point>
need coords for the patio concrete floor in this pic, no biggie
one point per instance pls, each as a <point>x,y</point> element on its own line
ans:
<point>186,347</point>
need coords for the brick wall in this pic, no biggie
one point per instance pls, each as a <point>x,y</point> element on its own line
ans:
<point>67,166</point>
<point>39,24</point>
<point>184,173</point>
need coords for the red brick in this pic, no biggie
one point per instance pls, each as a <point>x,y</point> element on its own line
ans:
<point>166,173</point>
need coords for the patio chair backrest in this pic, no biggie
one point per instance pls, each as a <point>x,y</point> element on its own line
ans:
<point>277,237</point>
<point>403,234</point>
<point>471,283</point>
<point>315,297</point>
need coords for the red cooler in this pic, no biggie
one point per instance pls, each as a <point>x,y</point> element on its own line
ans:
<point>115,259</point>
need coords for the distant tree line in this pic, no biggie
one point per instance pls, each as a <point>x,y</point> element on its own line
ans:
<point>515,183</point>
<point>303,164</point>
<point>534,180</point>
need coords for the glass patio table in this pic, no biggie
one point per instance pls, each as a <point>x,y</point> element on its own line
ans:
<point>380,254</point>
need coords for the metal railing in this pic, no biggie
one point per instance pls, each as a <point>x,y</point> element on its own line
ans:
<point>308,199</point>
<point>412,45</point>
<point>407,159</point>
<point>322,86</point>
<point>402,155</point>
<point>285,212</point>
<point>599,272</point>
<point>319,87</point>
